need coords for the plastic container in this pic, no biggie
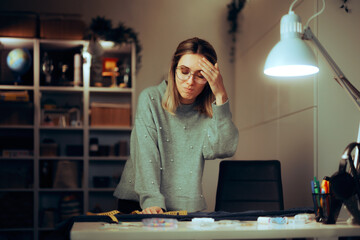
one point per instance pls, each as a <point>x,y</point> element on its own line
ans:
<point>160,222</point>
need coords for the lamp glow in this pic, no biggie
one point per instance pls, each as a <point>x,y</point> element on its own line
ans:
<point>291,71</point>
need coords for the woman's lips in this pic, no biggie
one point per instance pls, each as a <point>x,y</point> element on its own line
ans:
<point>189,90</point>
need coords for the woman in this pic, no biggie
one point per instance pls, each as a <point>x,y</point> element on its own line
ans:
<point>178,125</point>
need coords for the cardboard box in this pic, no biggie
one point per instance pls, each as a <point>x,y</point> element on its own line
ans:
<point>17,24</point>
<point>17,113</point>
<point>49,149</point>
<point>121,148</point>
<point>110,114</point>
<point>61,27</point>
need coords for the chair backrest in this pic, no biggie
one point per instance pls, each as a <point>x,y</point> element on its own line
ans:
<point>249,185</point>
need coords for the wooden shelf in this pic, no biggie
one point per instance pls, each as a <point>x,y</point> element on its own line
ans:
<point>102,189</point>
<point>61,189</point>
<point>16,87</point>
<point>61,89</point>
<point>16,189</point>
<point>54,158</point>
<point>57,128</point>
<point>17,158</point>
<point>79,97</point>
<point>109,89</point>
<point>109,158</point>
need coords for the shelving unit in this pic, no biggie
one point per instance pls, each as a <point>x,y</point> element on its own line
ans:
<point>46,162</point>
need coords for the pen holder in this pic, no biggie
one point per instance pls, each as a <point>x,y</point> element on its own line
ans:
<point>326,208</point>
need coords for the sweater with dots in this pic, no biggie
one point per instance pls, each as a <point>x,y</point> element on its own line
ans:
<point>167,152</point>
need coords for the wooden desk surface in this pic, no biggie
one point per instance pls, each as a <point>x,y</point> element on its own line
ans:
<point>185,230</point>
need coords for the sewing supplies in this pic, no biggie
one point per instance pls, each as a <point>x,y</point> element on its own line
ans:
<point>160,222</point>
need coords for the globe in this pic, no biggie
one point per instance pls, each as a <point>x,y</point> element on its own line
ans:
<point>19,60</point>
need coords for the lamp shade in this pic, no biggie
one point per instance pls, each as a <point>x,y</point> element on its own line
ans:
<point>291,56</point>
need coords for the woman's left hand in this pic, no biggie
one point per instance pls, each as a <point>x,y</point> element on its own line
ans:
<point>152,210</point>
<point>214,78</point>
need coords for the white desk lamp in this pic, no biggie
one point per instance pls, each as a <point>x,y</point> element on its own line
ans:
<point>292,57</point>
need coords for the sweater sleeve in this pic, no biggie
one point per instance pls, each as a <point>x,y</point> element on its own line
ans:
<point>145,156</point>
<point>222,135</point>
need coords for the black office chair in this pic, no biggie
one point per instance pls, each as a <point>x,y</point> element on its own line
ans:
<point>249,185</point>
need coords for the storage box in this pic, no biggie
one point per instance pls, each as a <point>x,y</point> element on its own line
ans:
<point>9,153</point>
<point>49,149</point>
<point>121,148</point>
<point>61,27</point>
<point>110,114</point>
<point>15,24</point>
<point>17,113</point>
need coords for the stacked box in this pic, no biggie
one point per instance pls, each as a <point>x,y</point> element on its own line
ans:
<point>49,149</point>
<point>110,114</point>
<point>61,27</point>
<point>14,24</point>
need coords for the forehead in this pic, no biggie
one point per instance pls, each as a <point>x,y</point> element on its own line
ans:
<point>190,60</point>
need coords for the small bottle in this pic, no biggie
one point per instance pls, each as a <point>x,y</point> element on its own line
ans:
<point>77,70</point>
<point>45,175</point>
<point>127,76</point>
<point>47,68</point>
<point>94,147</point>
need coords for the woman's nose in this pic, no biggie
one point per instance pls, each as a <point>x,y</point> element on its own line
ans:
<point>191,80</point>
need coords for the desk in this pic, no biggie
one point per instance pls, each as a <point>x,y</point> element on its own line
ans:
<point>244,230</point>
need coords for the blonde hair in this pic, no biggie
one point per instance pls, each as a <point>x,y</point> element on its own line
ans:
<point>171,99</point>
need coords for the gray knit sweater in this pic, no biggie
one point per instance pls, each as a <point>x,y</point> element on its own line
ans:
<point>167,152</point>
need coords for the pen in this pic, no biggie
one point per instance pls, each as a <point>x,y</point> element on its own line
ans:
<point>312,187</point>
<point>316,206</point>
<point>318,196</point>
<point>324,186</point>
<point>316,186</point>
<point>326,190</point>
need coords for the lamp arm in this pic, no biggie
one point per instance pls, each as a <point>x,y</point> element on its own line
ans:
<point>340,77</point>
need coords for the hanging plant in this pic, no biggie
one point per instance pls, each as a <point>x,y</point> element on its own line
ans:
<point>234,8</point>
<point>101,28</point>
<point>344,6</point>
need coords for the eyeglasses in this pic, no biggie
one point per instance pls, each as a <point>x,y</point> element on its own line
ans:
<point>184,73</point>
